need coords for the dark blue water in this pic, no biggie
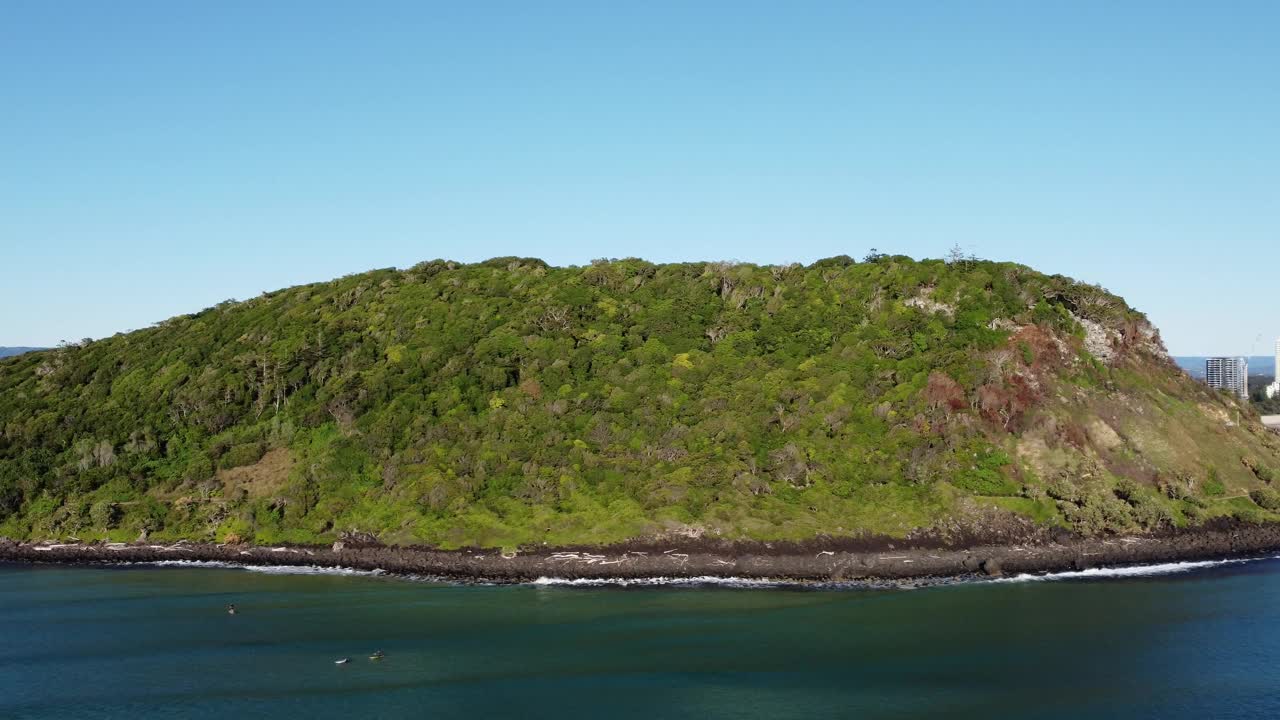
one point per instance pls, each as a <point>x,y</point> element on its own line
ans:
<point>149,642</point>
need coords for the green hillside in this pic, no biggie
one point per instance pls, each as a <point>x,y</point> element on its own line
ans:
<point>509,402</point>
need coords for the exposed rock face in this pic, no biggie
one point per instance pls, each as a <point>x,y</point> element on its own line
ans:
<point>867,560</point>
<point>1098,340</point>
<point>1107,343</point>
<point>924,302</point>
<point>356,538</point>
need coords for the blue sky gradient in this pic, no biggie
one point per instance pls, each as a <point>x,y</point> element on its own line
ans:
<point>159,157</point>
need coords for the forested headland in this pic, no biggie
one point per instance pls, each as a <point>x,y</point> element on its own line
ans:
<point>510,403</point>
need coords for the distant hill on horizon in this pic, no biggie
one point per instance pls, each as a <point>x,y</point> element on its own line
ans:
<point>11,351</point>
<point>1193,365</point>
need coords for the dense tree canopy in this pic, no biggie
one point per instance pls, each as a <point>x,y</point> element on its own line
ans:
<point>510,402</point>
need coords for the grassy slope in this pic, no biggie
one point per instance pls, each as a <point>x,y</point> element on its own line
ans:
<point>509,402</point>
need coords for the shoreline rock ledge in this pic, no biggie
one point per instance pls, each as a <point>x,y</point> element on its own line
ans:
<point>814,561</point>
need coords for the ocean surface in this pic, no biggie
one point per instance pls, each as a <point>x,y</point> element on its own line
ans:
<point>1182,641</point>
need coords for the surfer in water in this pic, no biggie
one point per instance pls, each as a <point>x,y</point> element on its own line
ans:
<point>231,609</point>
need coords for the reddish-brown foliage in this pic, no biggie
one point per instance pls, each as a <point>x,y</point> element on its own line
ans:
<point>1074,434</point>
<point>943,392</point>
<point>993,402</point>
<point>531,388</point>
<point>1006,405</point>
<point>1044,349</point>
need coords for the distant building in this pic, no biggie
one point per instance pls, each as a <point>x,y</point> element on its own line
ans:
<point>1274,388</point>
<point>1228,373</point>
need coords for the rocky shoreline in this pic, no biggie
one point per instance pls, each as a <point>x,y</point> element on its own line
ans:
<point>816,561</point>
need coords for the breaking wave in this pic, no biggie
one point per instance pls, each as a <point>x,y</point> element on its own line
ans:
<point>265,569</point>
<point>309,570</point>
<point>1099,573</point>
<point>1128,571</point>
<point>701,580</point>
<point>189,564</point>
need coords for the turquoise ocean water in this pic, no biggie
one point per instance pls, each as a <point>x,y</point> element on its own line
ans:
<point>155,642</point>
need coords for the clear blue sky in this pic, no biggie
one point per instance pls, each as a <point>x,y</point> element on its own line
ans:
<point>159,157</point>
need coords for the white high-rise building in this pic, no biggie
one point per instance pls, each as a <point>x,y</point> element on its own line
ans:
<point>1274,388</point>
<point>1228,373</point>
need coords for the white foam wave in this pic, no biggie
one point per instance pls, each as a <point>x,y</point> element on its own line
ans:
<point>1128,571</point>
<point>1100,573</point>
<point>190,564</point>
<point>701,580</point>
<point>309,570</point>
<point>265,569</point>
